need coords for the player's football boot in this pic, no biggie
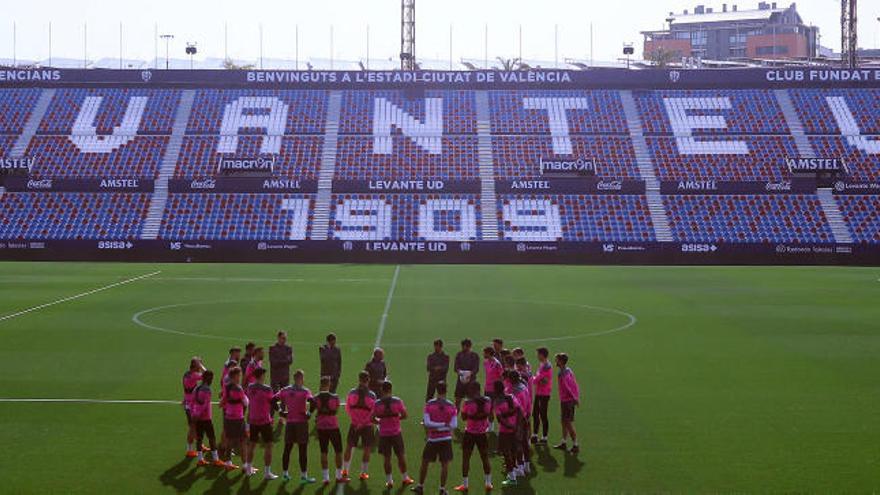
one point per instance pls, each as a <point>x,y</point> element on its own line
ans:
<point>203,462</point>
<point>461,488</point>
<point>192,453</point>
<point>364,476</point>
<point>344,478</point>
<point>408,481</point>
<point>575,449</point>
<point>561,446</point>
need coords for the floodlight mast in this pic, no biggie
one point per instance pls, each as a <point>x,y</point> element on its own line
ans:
<point>849,33</point>
<point>407,34</point>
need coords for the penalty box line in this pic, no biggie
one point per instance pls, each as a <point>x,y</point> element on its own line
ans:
<point>78,296</point>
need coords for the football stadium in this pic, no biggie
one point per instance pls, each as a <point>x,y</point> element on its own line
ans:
<point>656,277</point>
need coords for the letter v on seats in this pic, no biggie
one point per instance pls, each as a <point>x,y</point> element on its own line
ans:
<point>85,135</point>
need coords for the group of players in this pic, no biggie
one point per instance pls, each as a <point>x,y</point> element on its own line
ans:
<point>514,398</point>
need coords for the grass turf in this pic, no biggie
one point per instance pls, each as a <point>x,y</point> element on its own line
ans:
<point>731,380</point>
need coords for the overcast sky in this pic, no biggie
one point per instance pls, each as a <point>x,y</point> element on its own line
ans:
<point>202,21</point>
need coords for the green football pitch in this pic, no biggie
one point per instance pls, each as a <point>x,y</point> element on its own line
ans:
<point>694,379</point>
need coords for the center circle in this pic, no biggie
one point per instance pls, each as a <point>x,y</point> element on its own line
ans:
<point>551,324</point>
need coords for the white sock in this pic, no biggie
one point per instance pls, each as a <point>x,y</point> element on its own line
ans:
<point>200,456</point>
<point>574,443</point>
<point>189,447</point>
<point>338,473</point>
<point>389,478</point>
<point>364,467</point>
<point>326,474</point>
<point>488,479</point>
<point>464,482</point>
<point>268,469</point>
<point>346,465</point>
<point>405,475</point>
<point>304,474</point>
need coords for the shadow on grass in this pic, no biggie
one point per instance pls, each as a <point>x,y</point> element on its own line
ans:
<point>543,458</point>
<point>180,476</point>
<point>573,465</point>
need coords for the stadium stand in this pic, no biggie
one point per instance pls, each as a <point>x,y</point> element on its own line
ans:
<point>521,156</point>
<point>421,134</point>
<point>862,216</point>
<point>574,218</point>
<point>357,159</point>
<point>408,217</point>
<point>72,215</point>
<point>295,112</point>
<point>238,217</point>
<point>58,157</point>
<point>743,112</point>
<point>105,111</point>
<point>455,110</point>
<point>818,114</point>
<point>747,218</point>
<point>762,158</point>
<point>543,112</point>
<point>15,107</point>
<point>298,157</point>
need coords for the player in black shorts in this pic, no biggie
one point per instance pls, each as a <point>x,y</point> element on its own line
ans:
<point>325,406</point>
<point>477,413</point>
<point>359,407</point>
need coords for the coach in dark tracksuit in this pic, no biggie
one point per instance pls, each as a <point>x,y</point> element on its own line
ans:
<point>438,368</point>
<point>280,359</point>
<point>331,361</point>
<point>377,370</point>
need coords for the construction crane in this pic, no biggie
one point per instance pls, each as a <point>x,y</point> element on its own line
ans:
<point>408,35</point>
<point>849,37</point>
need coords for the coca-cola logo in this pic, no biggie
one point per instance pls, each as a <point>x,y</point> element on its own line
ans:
<point>203,184</point>
<point>778,186</point>
<point>609,185</point>
<point>39,184</point>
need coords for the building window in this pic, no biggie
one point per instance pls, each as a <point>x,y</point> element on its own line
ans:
<point>738,39</point>
<point>699,38</point>
<point>772,50</point>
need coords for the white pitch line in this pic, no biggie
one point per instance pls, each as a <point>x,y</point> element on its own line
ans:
<point>381,332</point>
<point>92,401</point>
<point>78,296</point>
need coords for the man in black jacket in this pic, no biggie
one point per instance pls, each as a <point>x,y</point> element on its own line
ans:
<point>280,359</point>
<point>331,361</point>
<point>438,368</point>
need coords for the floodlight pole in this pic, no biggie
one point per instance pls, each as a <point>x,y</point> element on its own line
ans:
<point>407,34</point>
<point>167,38</point>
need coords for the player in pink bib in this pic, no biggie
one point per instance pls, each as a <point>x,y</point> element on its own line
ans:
<point>359,407</point>
<point>326,406</point>
<point>569,398</point>
<point>440,418</point>
<point>233,402</point>
<point>202,414</point>
<point>191,380</point>
<point>388,413</point>
<point>296,399</point>
<point>477,412</point>
<point>543,382</point>
<point>261,402</point>
<point>507,411</point>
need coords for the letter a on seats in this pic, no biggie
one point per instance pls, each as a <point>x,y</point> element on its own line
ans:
<point>253,112</point>
<point>427,134</point>
<point>85,135</point>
